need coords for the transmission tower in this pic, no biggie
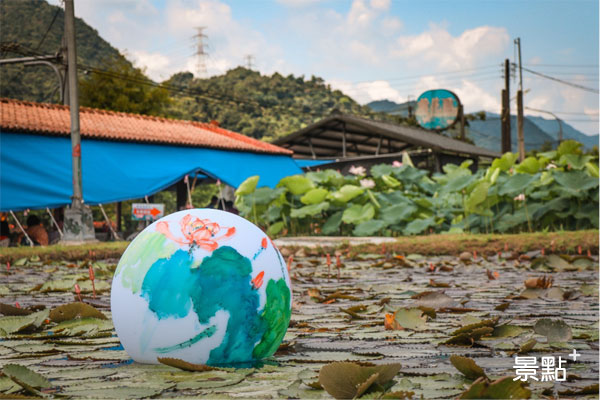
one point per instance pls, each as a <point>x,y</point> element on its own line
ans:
<point>249,61</point>
<point>201,53</point>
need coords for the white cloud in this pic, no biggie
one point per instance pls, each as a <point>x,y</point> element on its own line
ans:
<point>298,3</point>
<point>227,41</point>
<point>383,5</point>
<point>117,17</point>
<point>365,92</point>
<point>474,98</point>
<point>437,45</point>
<point>592,112</point>
<point>535,60</point>
<point>360,14</point>
<point>391,25</point>
<point>154,64</point>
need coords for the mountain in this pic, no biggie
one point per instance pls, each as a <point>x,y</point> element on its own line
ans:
<point>487,133</point>
<point>261,106</point>
<point>23,25</point>
<point>242,100</point>
<point>393,108</point>
<point>550,126</point>
<point>539,132</point>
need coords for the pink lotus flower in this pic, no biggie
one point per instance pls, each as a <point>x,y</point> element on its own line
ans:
<point>358,170</point>
<point>367,183</point>
<point>520,197</point>
<point>396,163</point>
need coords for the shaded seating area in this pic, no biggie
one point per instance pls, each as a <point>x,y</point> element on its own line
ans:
<point>124,156</point>
<point>344,140</point>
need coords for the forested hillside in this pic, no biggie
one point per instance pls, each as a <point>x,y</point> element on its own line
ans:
<point>24,32</point>
<point>242,100</point>
<point>258,105</point>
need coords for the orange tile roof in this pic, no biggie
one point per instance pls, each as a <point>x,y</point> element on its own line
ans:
<point>54,119</point>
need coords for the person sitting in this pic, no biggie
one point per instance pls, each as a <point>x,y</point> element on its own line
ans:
<point>36,231</point>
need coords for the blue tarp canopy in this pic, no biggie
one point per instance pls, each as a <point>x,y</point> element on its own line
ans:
<point>303,163</point>
<point>35,170</point>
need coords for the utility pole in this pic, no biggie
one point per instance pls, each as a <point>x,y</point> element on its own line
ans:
<point>78,218</point>
<point>520,133</point>
<point>64,68</point>
<point>201,51</point>
<point>505,115</point>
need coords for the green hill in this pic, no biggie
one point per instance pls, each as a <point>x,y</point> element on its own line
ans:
<point>261,106</point>
<point>242,100</point>
<point>23,24</point>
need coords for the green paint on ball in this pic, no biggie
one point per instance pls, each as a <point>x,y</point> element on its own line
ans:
<point>139,257</point>
<point>174,286</point>
<point>277,315</point>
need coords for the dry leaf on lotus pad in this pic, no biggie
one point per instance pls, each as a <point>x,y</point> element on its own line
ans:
<point>26,378</point>
<point>75,310</point>
<point>346,380</point>
<point>503,388</point>
<point>184,365</point>
<point>467,367</point>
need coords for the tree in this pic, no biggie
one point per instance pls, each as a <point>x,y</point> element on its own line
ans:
<point>123,88</point>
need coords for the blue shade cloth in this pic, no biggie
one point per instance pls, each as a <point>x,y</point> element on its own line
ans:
<point>35,171</point>
<point>311,163</point>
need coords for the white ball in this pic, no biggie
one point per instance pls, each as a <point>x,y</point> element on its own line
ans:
<point>202,285</point>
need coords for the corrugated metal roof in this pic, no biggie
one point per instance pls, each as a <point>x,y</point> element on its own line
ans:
<point>53,119</point>
<point>365,136</point>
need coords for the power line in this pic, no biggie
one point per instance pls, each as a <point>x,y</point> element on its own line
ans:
<point>411,77</point>
<point>58,9</point>
<point>588,89</point>
<point>451,80</point>
<point>567,65</point>
<point>569,112</point>
<point>202,94</point>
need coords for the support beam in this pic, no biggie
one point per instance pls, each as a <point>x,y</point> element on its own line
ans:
<point>119,214</point>
<point>344,140</point>
<point>182,195</point>
<point>311,148</point>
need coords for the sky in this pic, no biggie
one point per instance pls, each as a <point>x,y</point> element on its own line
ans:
<point>374,49</point>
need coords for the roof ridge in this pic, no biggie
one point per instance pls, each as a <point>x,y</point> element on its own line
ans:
<point>48,118</point>
<point>235,135</point>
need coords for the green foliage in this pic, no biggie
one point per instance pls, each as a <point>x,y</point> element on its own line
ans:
<point>241,100</point>
<point>260,106</point>
<point>297,184</point>
<point>25,23</point>
<point>537,194</point>
<point>120,90</point>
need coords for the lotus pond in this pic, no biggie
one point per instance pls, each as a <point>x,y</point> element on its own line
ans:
<point>372,325</point>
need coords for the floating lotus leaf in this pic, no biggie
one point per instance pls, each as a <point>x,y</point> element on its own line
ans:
<point>467,367</point>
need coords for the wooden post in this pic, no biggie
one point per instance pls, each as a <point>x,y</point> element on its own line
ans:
<point>506,141</point>
<point>118,213</point>
<point>182,195</point>
<point>520,136</point>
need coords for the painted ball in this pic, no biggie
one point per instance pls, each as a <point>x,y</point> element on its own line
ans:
<point>202,285</point>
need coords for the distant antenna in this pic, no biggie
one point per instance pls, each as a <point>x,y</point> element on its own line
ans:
<point>201,51</point>
<point>249,61</point>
